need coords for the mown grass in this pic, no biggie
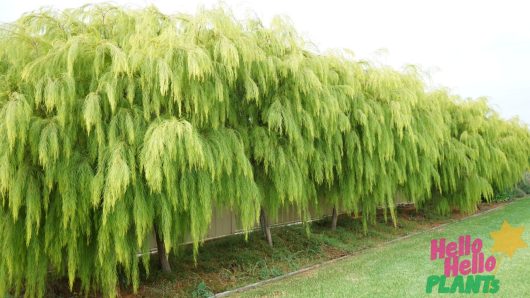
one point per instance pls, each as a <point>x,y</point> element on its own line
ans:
<point>232,262</point>
<point>401,269</point>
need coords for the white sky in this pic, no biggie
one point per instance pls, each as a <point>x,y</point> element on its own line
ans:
<point>476,48</point>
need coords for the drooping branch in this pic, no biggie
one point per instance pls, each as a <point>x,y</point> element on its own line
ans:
<point>118,119</point>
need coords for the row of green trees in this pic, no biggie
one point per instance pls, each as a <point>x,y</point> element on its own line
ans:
<point>117,122</point>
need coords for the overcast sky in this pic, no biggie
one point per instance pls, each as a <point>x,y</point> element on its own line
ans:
<point>475,48</point>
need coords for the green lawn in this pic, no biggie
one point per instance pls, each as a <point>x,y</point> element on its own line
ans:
<point>401,269</point>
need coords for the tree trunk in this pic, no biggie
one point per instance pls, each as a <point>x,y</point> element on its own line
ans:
<point>162,255</point>
<point>334,219</point>
<point>265,226</point>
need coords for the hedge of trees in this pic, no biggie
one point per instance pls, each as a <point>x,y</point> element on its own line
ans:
<point>118,122</point>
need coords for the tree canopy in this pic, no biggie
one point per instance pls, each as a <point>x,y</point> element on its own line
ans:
<point>113,120</point>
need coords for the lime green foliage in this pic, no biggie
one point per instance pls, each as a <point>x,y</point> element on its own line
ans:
<point>113,120</point>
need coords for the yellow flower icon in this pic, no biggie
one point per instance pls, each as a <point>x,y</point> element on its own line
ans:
<point>508,239</point>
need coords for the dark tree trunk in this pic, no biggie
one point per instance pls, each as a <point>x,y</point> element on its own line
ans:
<point>334,219</point>
<point>162,255</point>
<point>265,226</point>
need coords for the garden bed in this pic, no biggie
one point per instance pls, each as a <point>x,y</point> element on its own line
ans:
<point>231,262</point>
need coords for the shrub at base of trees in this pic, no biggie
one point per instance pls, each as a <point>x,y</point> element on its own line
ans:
<point>117,122</point>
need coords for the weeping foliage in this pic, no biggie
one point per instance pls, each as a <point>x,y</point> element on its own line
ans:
<point>113,120</point>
